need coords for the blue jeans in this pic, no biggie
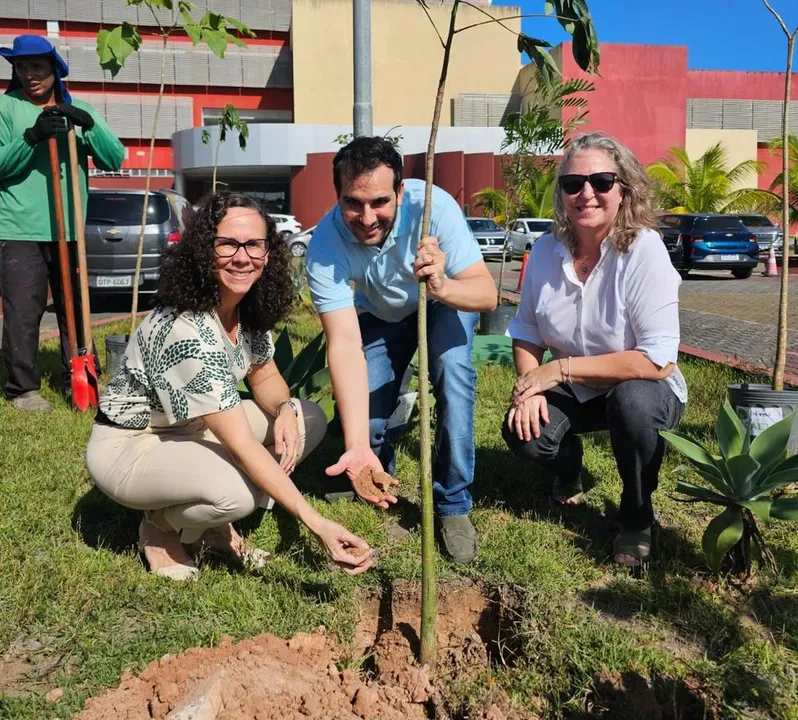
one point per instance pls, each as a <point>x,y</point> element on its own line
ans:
<point>389,347</point>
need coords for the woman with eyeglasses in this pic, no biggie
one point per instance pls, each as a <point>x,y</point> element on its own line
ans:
<point>173,437</point>
<point>599,293</point>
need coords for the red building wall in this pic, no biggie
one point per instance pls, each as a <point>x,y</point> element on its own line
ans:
<point>312,189</point>
<point>640,97</point>
<point>478,175</point>
<point>737,85</point>
<point>450,174</point>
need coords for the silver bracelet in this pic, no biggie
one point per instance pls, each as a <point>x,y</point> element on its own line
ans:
<point>287,402</point>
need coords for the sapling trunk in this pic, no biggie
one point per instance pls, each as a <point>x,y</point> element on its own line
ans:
<point>781,342</point>
<point>428,584</point>
<point>140,248</point>
<point>216,160</point>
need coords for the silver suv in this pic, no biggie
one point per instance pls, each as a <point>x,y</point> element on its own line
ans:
<point>113,225</point>
<point>766,232</point>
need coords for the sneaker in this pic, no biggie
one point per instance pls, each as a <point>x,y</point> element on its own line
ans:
<point>458,537</point>
<point>32,402</point>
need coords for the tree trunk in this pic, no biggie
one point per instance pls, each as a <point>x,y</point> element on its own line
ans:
<point>216,161</point>
<point>140,249</point>
<point>781,342</point>
<point>428,584</point>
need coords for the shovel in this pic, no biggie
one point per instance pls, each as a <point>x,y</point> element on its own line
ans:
<point>78,380</point>
<point>85,353</point>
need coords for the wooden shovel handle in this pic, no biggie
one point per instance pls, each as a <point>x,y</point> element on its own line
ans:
<point>80,237</point>
<point>63,252</point>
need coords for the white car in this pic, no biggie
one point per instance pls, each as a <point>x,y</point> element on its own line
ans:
<point>524,231</point>
<point>286,224</point>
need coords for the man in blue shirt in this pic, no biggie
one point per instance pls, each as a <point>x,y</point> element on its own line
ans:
<point>363,264</point>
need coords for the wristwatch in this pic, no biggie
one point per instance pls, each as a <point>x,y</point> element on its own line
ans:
<point>287,402</point>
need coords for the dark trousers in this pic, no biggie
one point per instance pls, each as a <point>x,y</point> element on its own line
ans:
<point>25,270</point>
<point>634,412</point>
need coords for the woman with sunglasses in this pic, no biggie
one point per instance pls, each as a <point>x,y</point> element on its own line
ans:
<point>599,293</point>
<point>172,435</point>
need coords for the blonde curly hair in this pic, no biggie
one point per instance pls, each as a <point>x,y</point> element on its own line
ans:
<point>634,214</point>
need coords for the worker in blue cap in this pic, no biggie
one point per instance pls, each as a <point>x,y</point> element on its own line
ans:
<point>34,108</point>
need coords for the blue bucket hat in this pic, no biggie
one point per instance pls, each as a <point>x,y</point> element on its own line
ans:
<point>29,45</point>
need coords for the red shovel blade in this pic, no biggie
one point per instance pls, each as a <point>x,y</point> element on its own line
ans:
<point>84,383</point>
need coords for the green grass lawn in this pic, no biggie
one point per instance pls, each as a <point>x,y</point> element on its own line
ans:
<point>77,602</point>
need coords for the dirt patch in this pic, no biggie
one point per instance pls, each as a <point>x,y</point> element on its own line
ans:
<point>268,678</point>
<point>262,678</point>
<point>27,668</point>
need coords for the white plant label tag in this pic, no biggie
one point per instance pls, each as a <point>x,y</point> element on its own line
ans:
<point>761,418</point>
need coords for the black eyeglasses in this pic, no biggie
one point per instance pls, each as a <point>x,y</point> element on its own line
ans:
<point>227,247</point>
<point>601,182</point>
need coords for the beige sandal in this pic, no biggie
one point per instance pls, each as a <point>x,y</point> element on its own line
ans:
<point>180,571</point>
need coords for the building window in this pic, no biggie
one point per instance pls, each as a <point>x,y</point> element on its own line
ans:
<point>274,194</point>
<point>210,116</point>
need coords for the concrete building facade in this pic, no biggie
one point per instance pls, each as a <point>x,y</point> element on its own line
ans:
<point>293,85</point>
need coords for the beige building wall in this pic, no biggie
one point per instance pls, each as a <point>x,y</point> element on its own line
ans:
<point>740,145</point>
<point>406,59</point>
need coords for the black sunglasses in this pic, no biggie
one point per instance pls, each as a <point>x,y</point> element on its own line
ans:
<point>601,182</point>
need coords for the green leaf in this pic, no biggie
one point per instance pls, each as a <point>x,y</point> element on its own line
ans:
<point>283,353</point>
<point>238,25</point>
<point>295,373</point>
<point>103,51</point>
<point>206,137</point>
<point>315,383</point>
<point>742,470</point>
<point>730,431</point>
<point>760,508</point>
<point>194,31</point>
<point>548,7</point>
<point>701,493</point>
<point>215,41</point>
<point>784,508</point>
<point>327,404</point>
<point>721,535</point>
<point>116,46</point>
<point>696,454</point>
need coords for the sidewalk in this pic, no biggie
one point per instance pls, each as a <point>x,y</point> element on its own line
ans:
<point>722,319</point>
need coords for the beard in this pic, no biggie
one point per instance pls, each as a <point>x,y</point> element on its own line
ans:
<point>384,226</point>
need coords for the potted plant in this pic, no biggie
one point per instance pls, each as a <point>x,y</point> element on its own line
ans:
<point>760,405</point>
<point>742,480</point>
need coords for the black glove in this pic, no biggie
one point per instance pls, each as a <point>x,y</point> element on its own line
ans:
<point>75,114</point>
<point>46,125</point>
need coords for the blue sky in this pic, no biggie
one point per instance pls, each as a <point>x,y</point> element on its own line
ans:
<point>719,34</point>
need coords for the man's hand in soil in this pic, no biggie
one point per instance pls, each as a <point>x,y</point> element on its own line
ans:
<point>352,462</point>
<point>75,114</point>
<point>46,126</point>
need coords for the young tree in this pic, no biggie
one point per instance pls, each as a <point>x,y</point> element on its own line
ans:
<point>777,187</point>
<point>229,120</point>
<point>781,341</point>
<point>574,17</point>
<point>115,46</point>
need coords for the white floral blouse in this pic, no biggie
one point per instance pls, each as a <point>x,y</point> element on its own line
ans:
<point>179,367</point>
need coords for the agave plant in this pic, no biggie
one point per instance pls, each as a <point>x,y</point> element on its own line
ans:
<point>743,480</point>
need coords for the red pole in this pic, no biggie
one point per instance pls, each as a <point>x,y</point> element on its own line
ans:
<point>523,271</point>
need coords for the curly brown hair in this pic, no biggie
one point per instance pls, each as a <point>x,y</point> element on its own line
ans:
<point>188,281</point>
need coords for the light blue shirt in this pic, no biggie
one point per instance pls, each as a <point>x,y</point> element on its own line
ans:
<point>383,276</point>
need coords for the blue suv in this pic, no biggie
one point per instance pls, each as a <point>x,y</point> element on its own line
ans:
<point>710,242</point>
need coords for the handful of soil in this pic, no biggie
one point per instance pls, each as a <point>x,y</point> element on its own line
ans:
<point>373,483</point>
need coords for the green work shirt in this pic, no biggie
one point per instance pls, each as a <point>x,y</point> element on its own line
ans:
<point>26,196</point>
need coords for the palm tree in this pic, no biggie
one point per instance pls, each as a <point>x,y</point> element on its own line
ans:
<point>777,186</point>
<point>493,203</point>
<point>536,192</point>
<point>706,185</point>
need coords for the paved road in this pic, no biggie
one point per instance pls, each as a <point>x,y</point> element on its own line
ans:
<point>733,318</point>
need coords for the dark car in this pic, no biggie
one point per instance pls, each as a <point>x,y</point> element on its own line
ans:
<point>710,242</point>
<point>490,237</point>
<point>766,231</point>
<point>113,226</point>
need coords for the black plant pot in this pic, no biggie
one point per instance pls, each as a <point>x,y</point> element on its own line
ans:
<point>497,321</point>
<point>759,407</point>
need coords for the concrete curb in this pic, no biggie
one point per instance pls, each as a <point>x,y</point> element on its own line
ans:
<point>733,362</point>
<point>53,334</point>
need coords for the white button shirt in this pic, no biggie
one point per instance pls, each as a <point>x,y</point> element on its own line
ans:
<point>630,301</point>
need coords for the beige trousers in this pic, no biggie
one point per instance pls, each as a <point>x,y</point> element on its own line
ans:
<point>185,471</point>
